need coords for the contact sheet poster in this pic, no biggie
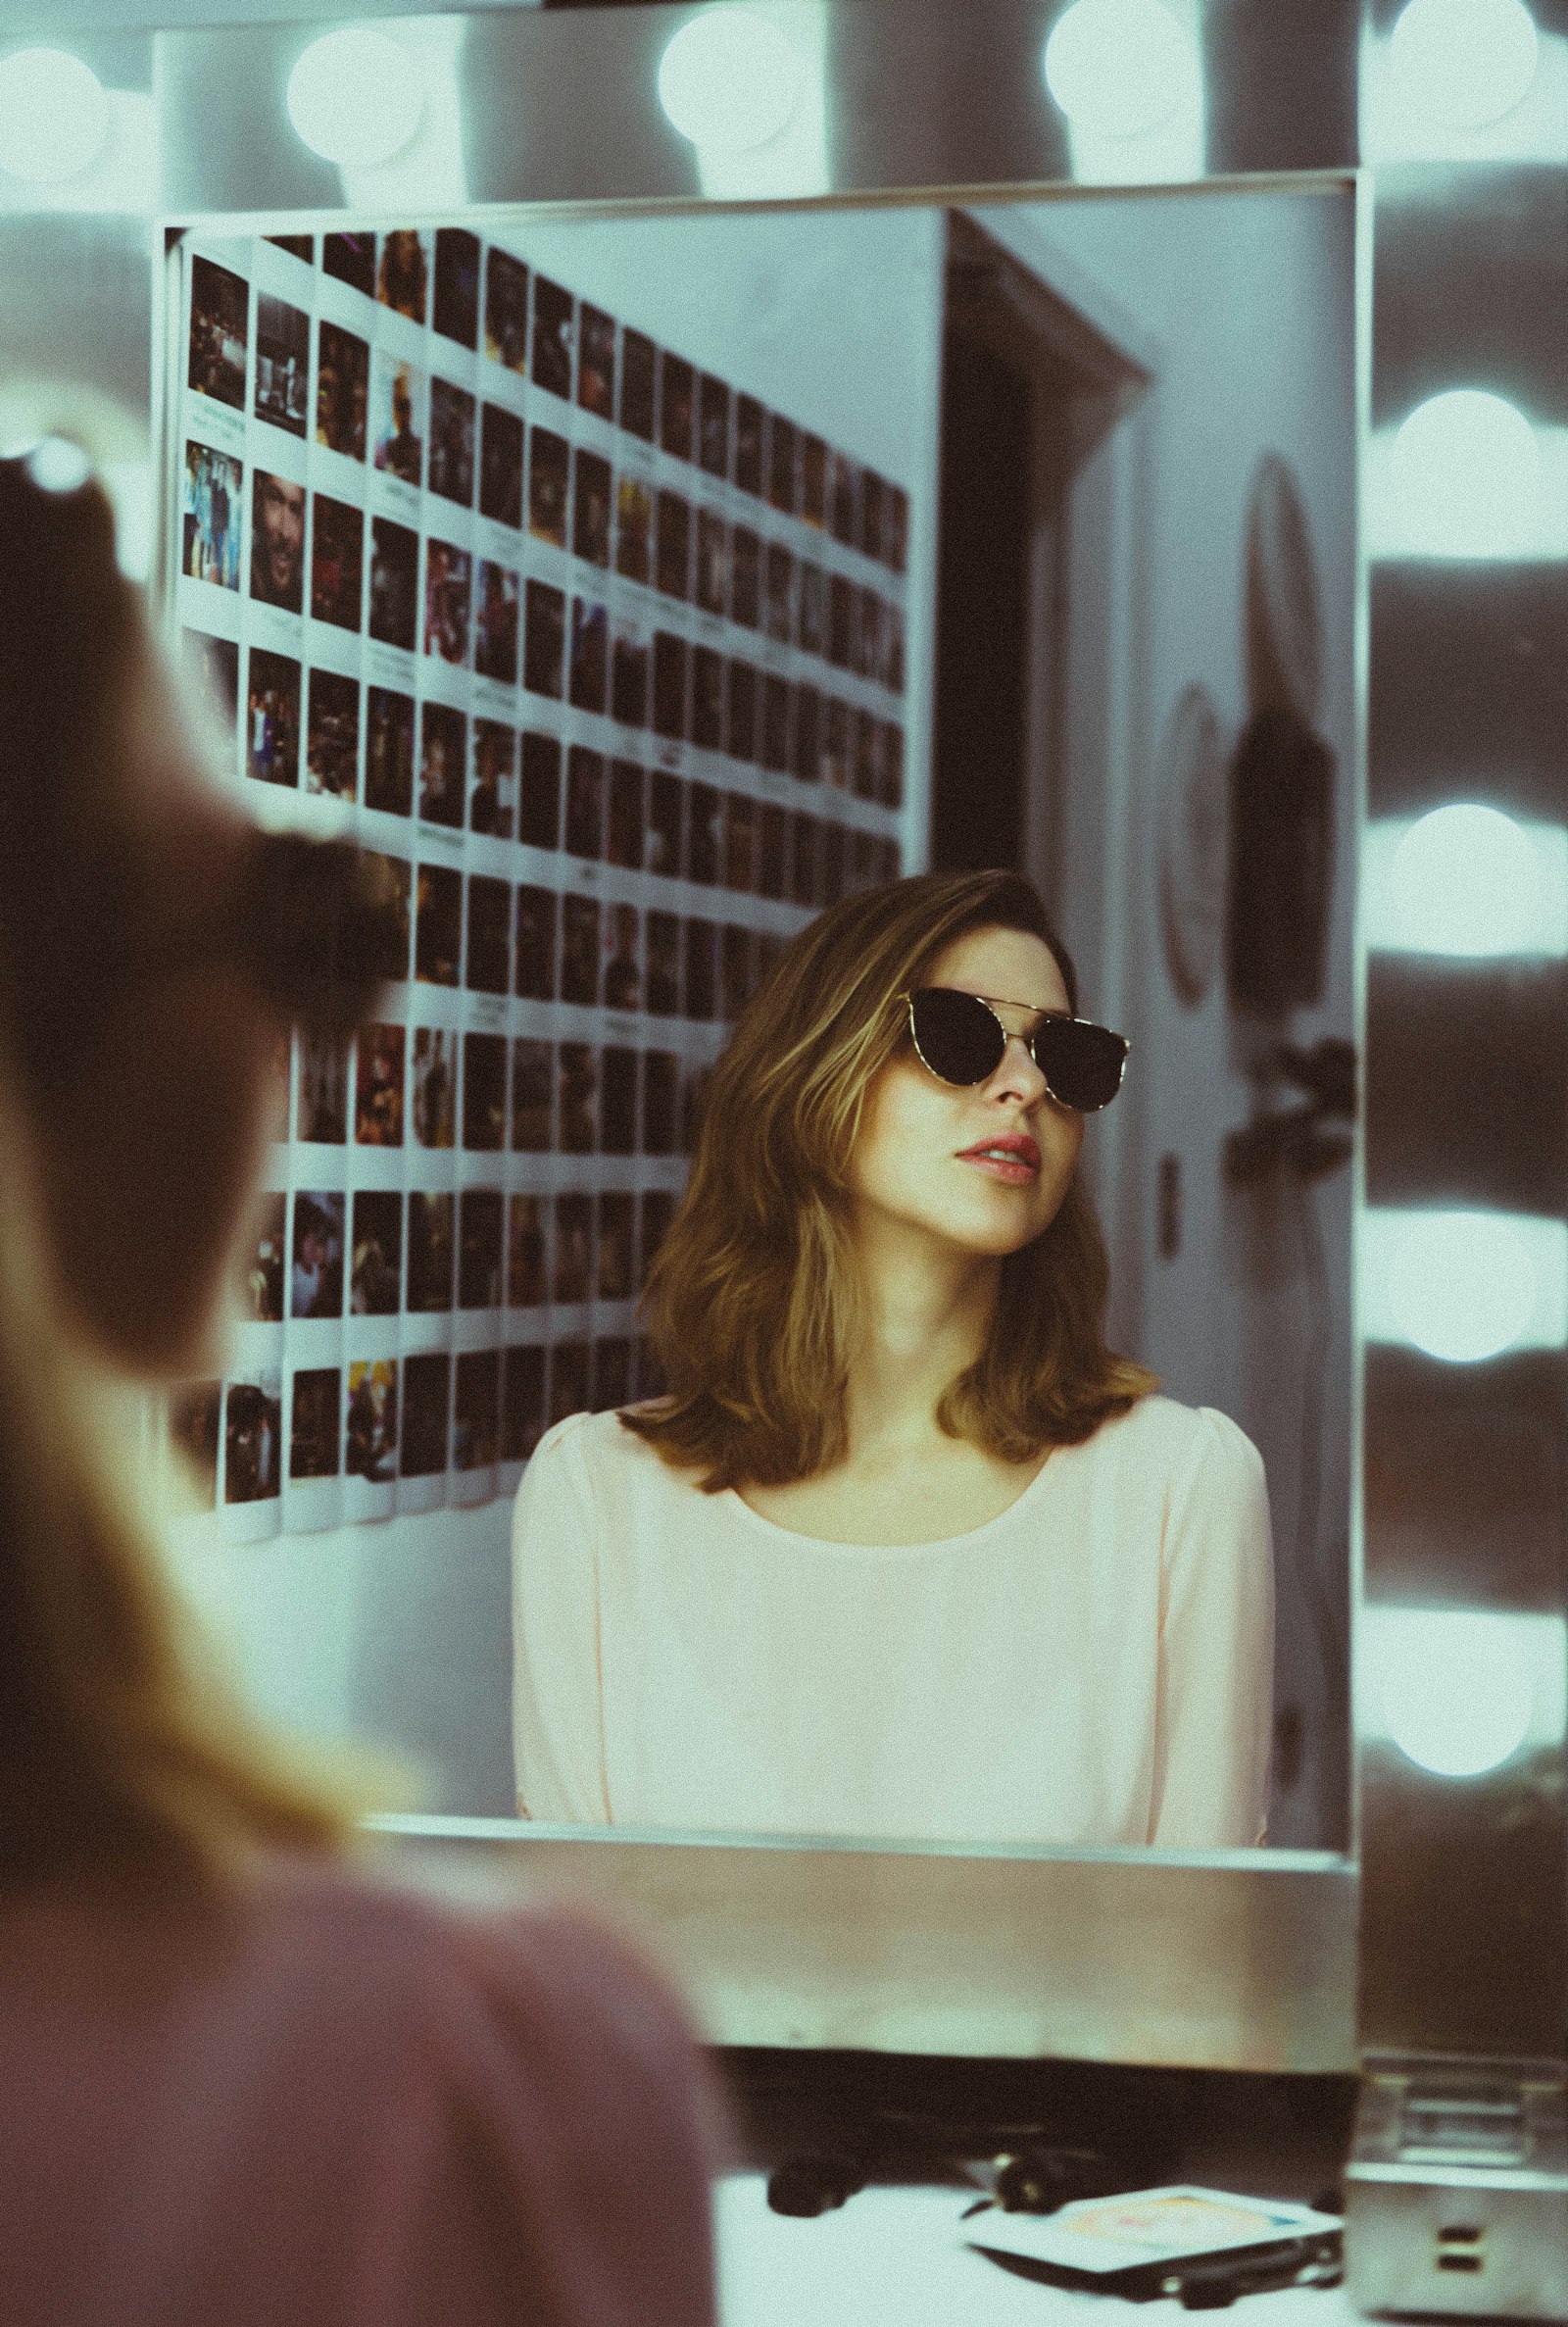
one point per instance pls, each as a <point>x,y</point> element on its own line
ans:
<point>607,659</point>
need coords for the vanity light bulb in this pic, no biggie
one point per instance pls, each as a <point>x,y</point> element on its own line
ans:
<point>1457,1687</point>
<point>1462,1285</point>
<point>729,81</point>
<point>1463,63</point>
<point>1119,68</point>
<point>1466,472</point>
<point>1464,880</point>
<point>54,116</point>
<point>354,97</point>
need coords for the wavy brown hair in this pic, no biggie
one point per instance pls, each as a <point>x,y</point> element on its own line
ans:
<point>752,1302</point>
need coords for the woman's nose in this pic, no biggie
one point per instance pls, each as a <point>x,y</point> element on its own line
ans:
<point>1017,1075</point>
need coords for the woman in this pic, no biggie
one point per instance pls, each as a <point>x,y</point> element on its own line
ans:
<point>905,1551</point>
<point>242,2076</point>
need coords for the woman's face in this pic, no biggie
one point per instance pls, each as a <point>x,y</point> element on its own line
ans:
<point>917,1161</point>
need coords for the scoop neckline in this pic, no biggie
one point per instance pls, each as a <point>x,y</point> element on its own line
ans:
<point>936,1543</point>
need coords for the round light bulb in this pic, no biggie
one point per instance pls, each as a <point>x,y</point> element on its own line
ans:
<point>54,116</point>
<point>1462,1285</point>
<point>729,79</point>
<point>1464,880</point>
<point>1463,63</point>
<point>354,97</point>
<point>1119,68</point>
<point>1466,468</point>
<point>1456,1689</point>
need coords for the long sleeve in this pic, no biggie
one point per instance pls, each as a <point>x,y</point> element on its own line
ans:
<point>558,1737</point>
<point>1214,1718</point>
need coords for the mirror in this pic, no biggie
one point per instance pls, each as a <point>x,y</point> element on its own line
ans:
<point>638,586</point>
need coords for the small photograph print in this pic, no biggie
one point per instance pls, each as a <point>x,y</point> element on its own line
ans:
<point>282,363</point>
<point>802,861</point>
<point>749,445</point>
<point>193,1422</point>
<point>375,1275</point>
<point>701,982</point>
<point>543,640</point>
<point>663,968</point>
<point>634,526</point>
<point>379,1086</point>
<point>745,577</point>
<point>495,629</point>
<point>549,469</point>
<point>590,507</point>
<point>403,281</point>
<point>342,390</point>
<point>628,672</point>
<point>337,563</point>
<point>837,766</point>
<point>867,751</point>
<point>506,309</point>
<point>388,747</point>
<point>277,541</point>
<point>532,1091</point>
<point>315,1270</point>
<point>814,481</point>
<point>220,304</point>
<point>623,976</point>
<point>892,764</point>
<point>770,945</point>
<point>693,1097</point>
<point>672,564</point>
<point>253,1438</point>
<point>830,871</point>
<point>399,394</point>
<point>261,1274</point>
<point>430,1251</point>
<point>539,810</point>
<point>657,1209</point>
<point>351,258</point>
<point>623,844</point>
<point>841,623</point>
<point>448,576</point>
<point>669,684</point>
<point>781,442</point>
<point>535,965</point>
<point>479,1247</point>
<point>525,1251</point>
<point>638,366</point>
<point>443,762</point>
<point>812,627</point>
<point>712,425</point>
<point>332,735</point>
<point>741,727</point>
<point>426,1391</point>
<point>298,246</point>
<point>872,492</point>
<point>212,665</point>
<point>433,1099</point>
<point>552,337</point>
<point>314,1432</point>
<point>475,1410</point>
<point>484,1092</point>
<point>778,593</point>
<point>618,1248</point>
<point>569,1368</point>
<point>676,392</point>
<point>708,699</point>
<point>580,950</point>
<point>589,689</point>
<point>596,361</point>
<point>324,1090</point>
<point>394,583</point>
<point>770,866</point>
<point>585,802</point>
<point>665,818</point>
<point>775,722</point>
<point>868,633</point>
<point>451,417</point>
<point>617,1102</point>
<point>522,1401</point>
<point>896,527</point>
<point>807,760</point>
<point>737,970</point>
<point>611,1373</point>
<point>712,562</point>
<point>370,1437</point>
<point>862,860</point>
<point>500,466</point>
<point>740,843</point>
<point>572,1277</point>
<point>493,800</point>
<point>212,516</point>
<point>705,827</point>
<point>438,937</point>
<point>843,500</point>
<point>661,1102</point>
<point>273,717</point>
<point>456,310</point>
<point>577,1099</point>
<point>489,958</point>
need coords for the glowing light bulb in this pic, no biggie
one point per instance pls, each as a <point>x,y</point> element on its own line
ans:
<point>1466,880</point>
<point>54,116</point>
<point>354,97</point>
<point>1457,1687</point>
<point>1461,1284</point>
<point>1463,63</point>
<point>1466,475</point>
<point>729,81</point>
<point>1120,68</point>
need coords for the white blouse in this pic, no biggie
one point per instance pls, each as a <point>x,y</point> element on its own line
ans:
<point>1094,1665</point>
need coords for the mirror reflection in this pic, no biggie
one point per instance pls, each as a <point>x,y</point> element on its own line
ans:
<point>858,707</point>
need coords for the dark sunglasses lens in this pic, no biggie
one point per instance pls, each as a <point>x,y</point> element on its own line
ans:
<point>1081,1063</point>
<point>958,1037</point>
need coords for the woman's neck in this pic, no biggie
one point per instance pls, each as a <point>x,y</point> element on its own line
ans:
<point>924,1318</point>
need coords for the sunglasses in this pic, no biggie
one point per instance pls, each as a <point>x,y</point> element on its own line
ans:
<point>961,1039</point>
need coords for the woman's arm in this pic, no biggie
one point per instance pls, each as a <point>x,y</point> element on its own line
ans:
<point>1214,1718</point>
<point>558,1738</point>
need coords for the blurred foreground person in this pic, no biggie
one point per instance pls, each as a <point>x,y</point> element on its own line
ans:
<point>243,2075</point>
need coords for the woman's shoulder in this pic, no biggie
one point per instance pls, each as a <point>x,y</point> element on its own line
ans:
<point>1177,1439</point>
<point>602,1448</point>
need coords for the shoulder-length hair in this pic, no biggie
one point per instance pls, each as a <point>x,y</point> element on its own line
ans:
<point>752,1302</point>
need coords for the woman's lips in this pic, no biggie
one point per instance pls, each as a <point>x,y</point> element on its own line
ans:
<point>1013,1161</point>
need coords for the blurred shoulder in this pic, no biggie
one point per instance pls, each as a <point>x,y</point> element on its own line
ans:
<point>598,1447</point>
<point>1161,1433</point>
